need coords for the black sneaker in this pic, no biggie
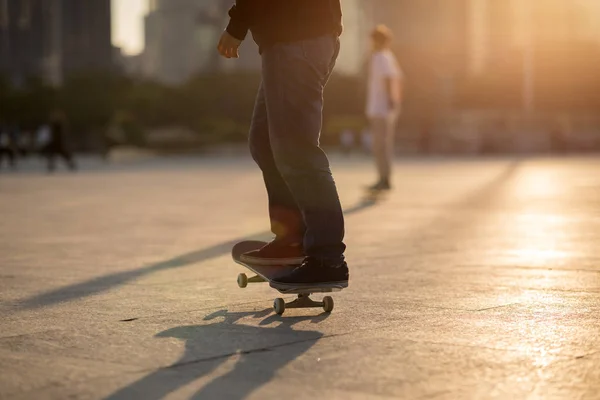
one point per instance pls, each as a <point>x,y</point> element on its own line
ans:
<point>315,274</point>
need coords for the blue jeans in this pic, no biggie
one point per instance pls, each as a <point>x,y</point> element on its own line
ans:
<point>304,205</point>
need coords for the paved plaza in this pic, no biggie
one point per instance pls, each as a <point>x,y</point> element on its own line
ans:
<point>474,279</point>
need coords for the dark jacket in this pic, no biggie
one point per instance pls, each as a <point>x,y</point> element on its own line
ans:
<point>276,21</point>
<point>58,139</point>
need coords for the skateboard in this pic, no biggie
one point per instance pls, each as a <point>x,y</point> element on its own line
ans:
<point>265,273</point>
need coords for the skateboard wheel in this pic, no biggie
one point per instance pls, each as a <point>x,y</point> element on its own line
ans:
<point>279,306</point>
<point>327,303</point>
<point>242,280</point>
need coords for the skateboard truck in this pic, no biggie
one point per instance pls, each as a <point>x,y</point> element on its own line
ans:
<point>303,301</point>
<point>279,305</point>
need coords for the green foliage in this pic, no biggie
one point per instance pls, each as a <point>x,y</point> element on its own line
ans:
<point>217,107</point>
<point>28,106</point>
<point>344,95</point>
<point>335,124</point>
<point>126,129</point>
<point>90,99</point>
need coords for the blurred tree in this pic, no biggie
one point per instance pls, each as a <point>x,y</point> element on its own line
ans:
<point>151,103</point>
<point>218,106</point>
<point>90,98</point>
<point>27,105</point>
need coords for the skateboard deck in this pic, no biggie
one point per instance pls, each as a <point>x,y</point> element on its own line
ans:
<point>264,273</point>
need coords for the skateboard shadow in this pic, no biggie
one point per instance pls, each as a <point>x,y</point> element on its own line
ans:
<point>260,351</point>
<point>104,283</point>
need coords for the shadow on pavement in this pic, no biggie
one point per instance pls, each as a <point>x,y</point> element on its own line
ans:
<point>484,195</point>
<point>107,282</point>
<point>277,346</point>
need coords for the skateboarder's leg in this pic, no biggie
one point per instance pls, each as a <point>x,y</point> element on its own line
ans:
<point>294,77</point>
<point>287,223</point>
<point>286,219</point>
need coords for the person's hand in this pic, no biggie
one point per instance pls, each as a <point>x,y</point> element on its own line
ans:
<point>228,46</point>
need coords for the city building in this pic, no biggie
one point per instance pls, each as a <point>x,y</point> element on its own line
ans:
<point>181,37</point>
<point>86,35</point>
<point>24,45</point>
<point>52,38</point>
<point>499,27</point>
<point>355,40</point>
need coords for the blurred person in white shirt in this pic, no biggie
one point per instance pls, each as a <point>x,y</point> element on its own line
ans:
<point>384,97</point>
<point>347,141</point>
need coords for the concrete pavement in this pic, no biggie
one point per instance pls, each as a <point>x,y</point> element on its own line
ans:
<point>474,279</point>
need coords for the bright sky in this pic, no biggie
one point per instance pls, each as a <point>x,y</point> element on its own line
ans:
<point>128,24</point>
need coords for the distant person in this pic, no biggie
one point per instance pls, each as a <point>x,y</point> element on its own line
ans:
<point>383,103</point>
<point>42,138</point>
<point>7,147</point>
<point>24,142</point>
<point>347,141</point>
<point>57,144</point>
<point>108,142</point>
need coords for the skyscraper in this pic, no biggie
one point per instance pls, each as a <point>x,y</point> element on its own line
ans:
<point>86,35</point>
<point>22,39</point>
<point>52,38</point>
<point>181,38</point>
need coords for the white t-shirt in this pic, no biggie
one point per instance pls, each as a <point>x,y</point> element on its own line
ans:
<point>43,136</point>
<point>383,66</point>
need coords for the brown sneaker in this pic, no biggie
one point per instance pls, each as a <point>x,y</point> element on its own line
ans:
<point>275,253</point>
